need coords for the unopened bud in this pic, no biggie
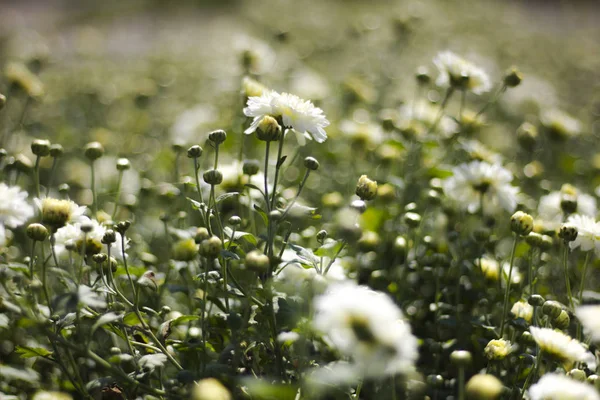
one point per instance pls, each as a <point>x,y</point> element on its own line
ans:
<point>521,223</point>
<point>40,147</point>
<point>213,177</point>
<point>412,219</point>
<point>257,261</point>
<point>123,226</point>
<point>123,164</point>
<point>568,232</point>
<point>484,387</point>
<point>194,151</point>
<point>217,137</point>
<point>234,220</point>
<point>37,232</point>
<point>109,237</point>
<point>268,130</point>
<point>562,321</point>
<point>93,151</point>
<point>497,349</point>
<point>2,101</point>
<point>366,189</point>
<point>536,300</point>
<point>513,77</point>
<point>321,235</point>
<point>56,150</point>
<point>422,76</point>
<point>527,135</point>
<point>577,374</point>
<point>250,167</point>
<point>552,309</point>
<point>211,247</point>
<point>461,358</point>
<point>311,163</point>
<point>201,234</point>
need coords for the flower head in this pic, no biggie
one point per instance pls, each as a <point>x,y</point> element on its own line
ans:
<point>561,347</point>
<point>56,213</point>
<point>589,316</point>
<point>497,349</point>
<point>560,125</point>
<point>549,208</point>
<point>479,178</point>
<point>14,209</point>
<point>522,309</point>
<point>588,233</point>
<point>295,113</point>
<point>460,73</point>
<point>367,326</point>
<point>559,387</point>
<point>72,235</point>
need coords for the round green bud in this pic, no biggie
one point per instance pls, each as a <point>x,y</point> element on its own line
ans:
<point>211,247</point>
<point>433,197</point>
<point>194,152</point>
<point>483,387</point>
<point>234,220</point>
<point>369,241</point>
<point>568,203</point>
<point>436,381</point>
<point>461,358</point>
<point>568,232</point>
<point>123,226</point>
<point>534,239</point>
<point>257,261</point>
<point>422,76</point>
<point>366,188</point>
<point>536,300</point>
<point>552,308</point>
<point>210,389</point>
<point>217,137</point>
<point>250,167</point>
<point>412,219</point>
<point>521,223</point>
<point>400,246</point>
<point>512,77</point>
<point>275,215</point>
<point>321,235</point>
<point>527,135</point>
<point>268,130</point>
<point>93,151</point>
<point>22,163</point>
<point>165,310</point>
<point>311,163</point>
<point>115,350</point>
<point>577,374</point>
<point>185,250</point>
<point>100,258</point>
<point>593,379</point>
<point>123,164</point>
<point>64,188</point>
<point>201,234</point>
<point>213,177</point>
<point>359,205</point>
<point>3,154</point>
<point>2,101</point>
<point>37,232</point>
<point>562,321</point>
<point>87,227</point>
<point>40,147</point>
<point>109,237</point>
<point>56,150</point>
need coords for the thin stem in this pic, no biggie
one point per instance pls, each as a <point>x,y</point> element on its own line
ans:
<point>198,187</point>
<point>493,100</point>
<point>117,195</point>
<point>461,383</point>
<point>36,174</point>
<point>438,118</point>
<point>203,311</point>
<point>52,172</point>
<point>508,282</point>
<point>335,257</point>
<point>300,187</point>
<point>277,168</point>
<point>566,270</point>
<point>94,194</point>
<point>463,99</point>
<point>585,268</point>
<point>266,182</point>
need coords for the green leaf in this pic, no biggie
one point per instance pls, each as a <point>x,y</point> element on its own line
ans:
<point>263,214</point>
<point>225,196</point>
<point>106,319</point>
<point>196,205</point>
<point>30,352</point>
<point>329,249</point>
<point>263,390</point>
<point>132,319</point>
<point>239,234</point>
<point>251,186</point>
<point>183,319</point>
<point>281,161</point>
<point>18,267</point>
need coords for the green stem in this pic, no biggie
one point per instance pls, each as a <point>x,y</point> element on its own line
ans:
<point>52,172</point>
<point>94,194</point>
<point>461,383</point>
<point>508,282</point>
<point>289,207</point>
<point>566,270</point>
<point>36,173</point>
<point>335,257</point>
<point>118,195</point>
<point>266,182</point>
<point>277,168</point>
<point>493,100</point>
<point>440,114</point>
<point>203,311</point>
<point>585,268</point>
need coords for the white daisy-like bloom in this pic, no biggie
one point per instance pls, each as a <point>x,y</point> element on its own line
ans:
<point>522,309</point>
<point>469,180</point>
<point>549,207</point>
<point>57,213</point>
<point>14,209</point>
<point>561,347</point>
<point>588,233</point>
<point>188,125</point>
<point>490,268</point>
<point>426,113</point>
<point>295,113</point>
<point>560,123</point>
<point>366,326</point>
<point>458,72</point>
<point>589,316</point>
<point>71,234</point>
<point>559,387</point>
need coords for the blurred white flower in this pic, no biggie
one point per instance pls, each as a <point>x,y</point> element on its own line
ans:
<point>490,268</point>
<point>57,212</point>
<point>589,316</point>
<point>368,327</point>
<point>560,124</point>
<point>362,132</point>
<point>309,84</point>
<point>257,56</point>
<point>470,180</point>
<point>550,210</point>
<point>295,113</point>
<point>588,233</point>
<point>14,209</point>
<point>426,114</point>
<point>478,151</point>
<point>150,362</point>
<point>522,309</point>
<point>559,387</point>
<point>188,125</point>
<point>561,347</point>
<point>460,73</point>
<point>71,234</point>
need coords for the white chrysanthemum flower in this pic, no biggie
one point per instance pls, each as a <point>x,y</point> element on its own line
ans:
<point>498,349</point>
<point>589,316</point>
<point>549,207</point>
<point>368,327</point>
<point>588,233</point>
<point>522,309</point>
<point>14,208</point>
<point>560,387</point>
<point>295,113</point>
<point>56,213</point>
<point>426,114</point>
<point>470,180</point>
<point>561,347</point>
<point>490,268</point>
<point>460,73</point>
<point>560,124</point>
<point>71,234</point>
<point>150,362</point>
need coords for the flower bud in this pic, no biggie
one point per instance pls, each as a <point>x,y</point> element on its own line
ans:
<point>109,237</point>
<point>568,232</point>
<point>123,164</point>
<point>37,232</point>
<point>100,258</point>
<point>275,215</point>
<point>461,358</point>
<point>577,374</point>
<point>64,188</point>
<point>412,219</point>
<point>524,310</point>
<point>527,135</point>
<point>201,234</point>
<point>359,205</point>
<point>217,137</point>
<point>213,177</point>
<point>268,129</point>
<point>552,308</point>
<point>568,199</point>
<point>93,151</point>
<point>321,235</point>
<point>311,163</point>
<point>497,349</point>
<point>369,241</point>
<point>257,261</point>
<point>211,247</point>
<point>366,189</point>
<point>536,300</point>
<point>194,152</point>
<point>148,279</point>
<point>210,389</point>
<point>521,223</point>
<point>123,226</point>
<point>56,150</point>
<point>250,167</point>
<point>422,76</point>
<point>512,77</point>
<point>562,321</point>
<point>594,380</point>
<point>483,387</point>
<point>87,227</point>
<point>482,234</point>
<point>185,250</point>
<point>22,163</point>
<point>400,246</point>
<point>234,220</point>
<point>40,147</point>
